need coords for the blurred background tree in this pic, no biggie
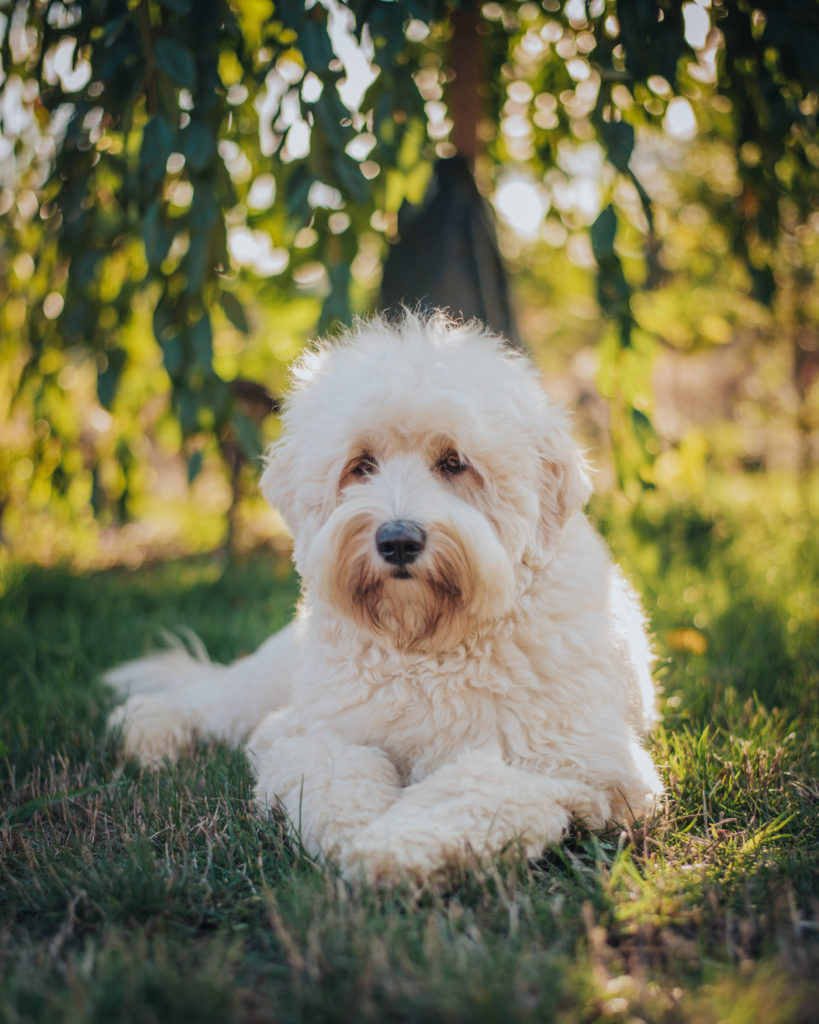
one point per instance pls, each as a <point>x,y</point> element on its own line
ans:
<point>191,188</point>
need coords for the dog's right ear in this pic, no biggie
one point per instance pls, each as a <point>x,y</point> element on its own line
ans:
<point>301,498</point>
<point>278,482</point>
<point>279,479</point>
<point>300,501</point>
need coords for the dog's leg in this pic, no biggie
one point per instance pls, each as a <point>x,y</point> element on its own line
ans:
<point>478,803</point>
<point>176,694</point>
<point>330,789</point>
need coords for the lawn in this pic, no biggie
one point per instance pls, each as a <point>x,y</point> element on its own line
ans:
<point>135,896</point>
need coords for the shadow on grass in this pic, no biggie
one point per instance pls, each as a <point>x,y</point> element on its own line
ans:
<point>59,631</point>
<point>741,584</point>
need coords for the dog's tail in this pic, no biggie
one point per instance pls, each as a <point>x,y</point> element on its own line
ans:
<point>177,692</point>
<point>181,661</point>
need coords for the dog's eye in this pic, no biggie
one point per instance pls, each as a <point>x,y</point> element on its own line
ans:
<point>364,466</point>
<point>450,463</point>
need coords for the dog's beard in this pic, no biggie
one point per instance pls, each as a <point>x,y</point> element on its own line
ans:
<point>432,604</point>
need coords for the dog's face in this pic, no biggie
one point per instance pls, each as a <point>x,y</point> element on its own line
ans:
<point>421,468</point>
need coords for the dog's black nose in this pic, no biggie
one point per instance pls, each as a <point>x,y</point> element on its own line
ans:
<point>400,541</point>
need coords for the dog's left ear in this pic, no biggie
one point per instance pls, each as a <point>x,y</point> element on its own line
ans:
<point>565,486</point>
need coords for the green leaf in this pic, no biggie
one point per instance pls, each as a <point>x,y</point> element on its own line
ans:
<point>354,185</point>
<point>176,61</point>
<point>196,263</point>
<point>177,6</point>
<point>234,311</point>
<point>173,355</point>
<point>297,190</point>
<point>114,29</point>
<point>330,112</point>
<point>618,138</point>
<point>110,67</point>
<point>386,22</point>
<point>315,46</point>
<point>645,198</point>
<point>643,430</point>
<point>383,113</point>
<point>198,145</point>
<point>84,268</point>
<point>165,319</point>
<point>336,306</point>
<point>652,45</point>
<point>202,343</point>
<point>291,12</point>
<point>157,235</point>
<point>186,403</point>
<point>603,232</point>
<point>156,147</point>
<point>108,380</point>
<point>613,291</point>
<point>247,434</point>
<point>763,284</point>
<point>194,466</point>
<point>204,212</point>
<point>208,239</point>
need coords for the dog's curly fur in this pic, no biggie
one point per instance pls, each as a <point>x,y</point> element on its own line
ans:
<point>474,698</point>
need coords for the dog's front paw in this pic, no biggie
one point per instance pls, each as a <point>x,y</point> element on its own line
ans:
<point>152,730</point>
<point>377,862</point>
<point>424,845</point>
<point>381,854</point>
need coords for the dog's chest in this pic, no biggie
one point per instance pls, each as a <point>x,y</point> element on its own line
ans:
<point>423,711</point>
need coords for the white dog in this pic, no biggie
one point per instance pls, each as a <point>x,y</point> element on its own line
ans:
<point>467,669</point>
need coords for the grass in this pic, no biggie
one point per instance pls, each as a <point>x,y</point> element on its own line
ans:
<point>132,896</point>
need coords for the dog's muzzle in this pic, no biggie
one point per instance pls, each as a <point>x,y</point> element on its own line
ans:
<point>400,542</point>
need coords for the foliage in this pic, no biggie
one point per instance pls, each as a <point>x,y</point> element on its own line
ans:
<point>193,165</point>
<point>137,896</point>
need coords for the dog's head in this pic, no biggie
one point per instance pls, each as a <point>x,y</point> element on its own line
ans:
<point>421,468</point>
